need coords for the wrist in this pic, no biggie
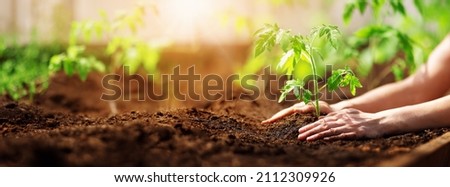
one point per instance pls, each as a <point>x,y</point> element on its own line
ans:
<point>341,105</point>
<point>390,122</point>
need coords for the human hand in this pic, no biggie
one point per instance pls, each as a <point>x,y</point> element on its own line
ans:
<point>299,108</point>
<point>343,124</point>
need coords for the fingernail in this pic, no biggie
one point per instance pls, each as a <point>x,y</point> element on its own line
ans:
<point>300,137</point>
<point>300,130</point>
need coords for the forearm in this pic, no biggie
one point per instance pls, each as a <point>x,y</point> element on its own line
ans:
<point>382,98</point>
<point>431,81</point>
<point>432,114</point>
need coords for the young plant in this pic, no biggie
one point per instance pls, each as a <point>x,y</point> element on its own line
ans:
<point>379,42</point>
<point>73,61</point>
<point>23,68</point>
<point>123,46</point>
<point>298,49</point>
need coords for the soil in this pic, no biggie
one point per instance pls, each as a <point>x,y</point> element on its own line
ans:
<point>65,127</point>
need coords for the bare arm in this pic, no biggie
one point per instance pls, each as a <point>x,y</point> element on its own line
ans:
<point>352,123</point>
<point>431,81</point>
<point>432,114</point>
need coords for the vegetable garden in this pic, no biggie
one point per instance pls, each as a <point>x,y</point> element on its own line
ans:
<point>58,104</point>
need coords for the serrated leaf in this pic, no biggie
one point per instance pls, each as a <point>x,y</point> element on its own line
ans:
<point>266,38</point>
<point>354,83</point>
<point>334,80</point>
<point>286,64</point>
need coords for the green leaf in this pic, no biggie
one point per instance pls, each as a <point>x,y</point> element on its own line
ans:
<point>334,80</point>
<point>354,83</point>
<point>83,68</point>
<point>283,38</point>
<point>362,6</point>
<point>286,64</point>
<point>291,85</point>
<point>406,44</point>
<point>398,7</point>
<point>298,44</point>
<point>297,93</point>
<point>398,72</point>
<point>342,78</point>
<point>68,67</point>
<point>282,97</point>
<point>329,32</point>
<point>259,49</point>
<point>266,38</point>
<point>307,95</point>
<point>348,12</point>
<point>56,63</point>
<point>419,5</point>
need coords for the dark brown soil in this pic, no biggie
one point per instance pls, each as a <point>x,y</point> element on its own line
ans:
<point>216,134</point>
<point>69,125</point>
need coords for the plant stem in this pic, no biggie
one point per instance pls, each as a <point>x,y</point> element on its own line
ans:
<point>316,82</point>
<point>316,86</point>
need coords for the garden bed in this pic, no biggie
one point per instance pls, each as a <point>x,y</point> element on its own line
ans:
<point>221,133</point>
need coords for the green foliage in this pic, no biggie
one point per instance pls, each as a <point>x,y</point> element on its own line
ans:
<point>123,45</point>
<point>431,27</point>
<point>72,62</point>
<point>23,69</point>
<point>396,7</point>
<point>342,78</point>
<point>303,49</point>
<point>379,43</point>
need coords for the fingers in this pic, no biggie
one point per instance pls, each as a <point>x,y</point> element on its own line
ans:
<point>317,130</point>
<point>297,108</point>
<point>322,120</point>
<point>327,133</point>
<point>348,135</point>
<point>283,113</point>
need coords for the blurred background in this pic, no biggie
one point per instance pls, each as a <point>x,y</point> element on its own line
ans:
<point>180,21</point>
<point>217,36</point>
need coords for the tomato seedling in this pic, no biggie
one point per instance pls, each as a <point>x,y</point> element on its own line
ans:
<point>380,42</point>
<point>123,45</point>
<point>24,69</point>
<point>298,49</point>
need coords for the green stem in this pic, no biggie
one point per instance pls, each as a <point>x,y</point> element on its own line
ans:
<point>316,82</point>
<point>323,87</point>
<point>316,86</point>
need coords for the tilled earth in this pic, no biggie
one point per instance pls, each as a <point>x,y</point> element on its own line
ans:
<point>223,133</point>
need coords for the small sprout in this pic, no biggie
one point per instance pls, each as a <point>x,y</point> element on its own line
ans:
<point>299,48</point>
